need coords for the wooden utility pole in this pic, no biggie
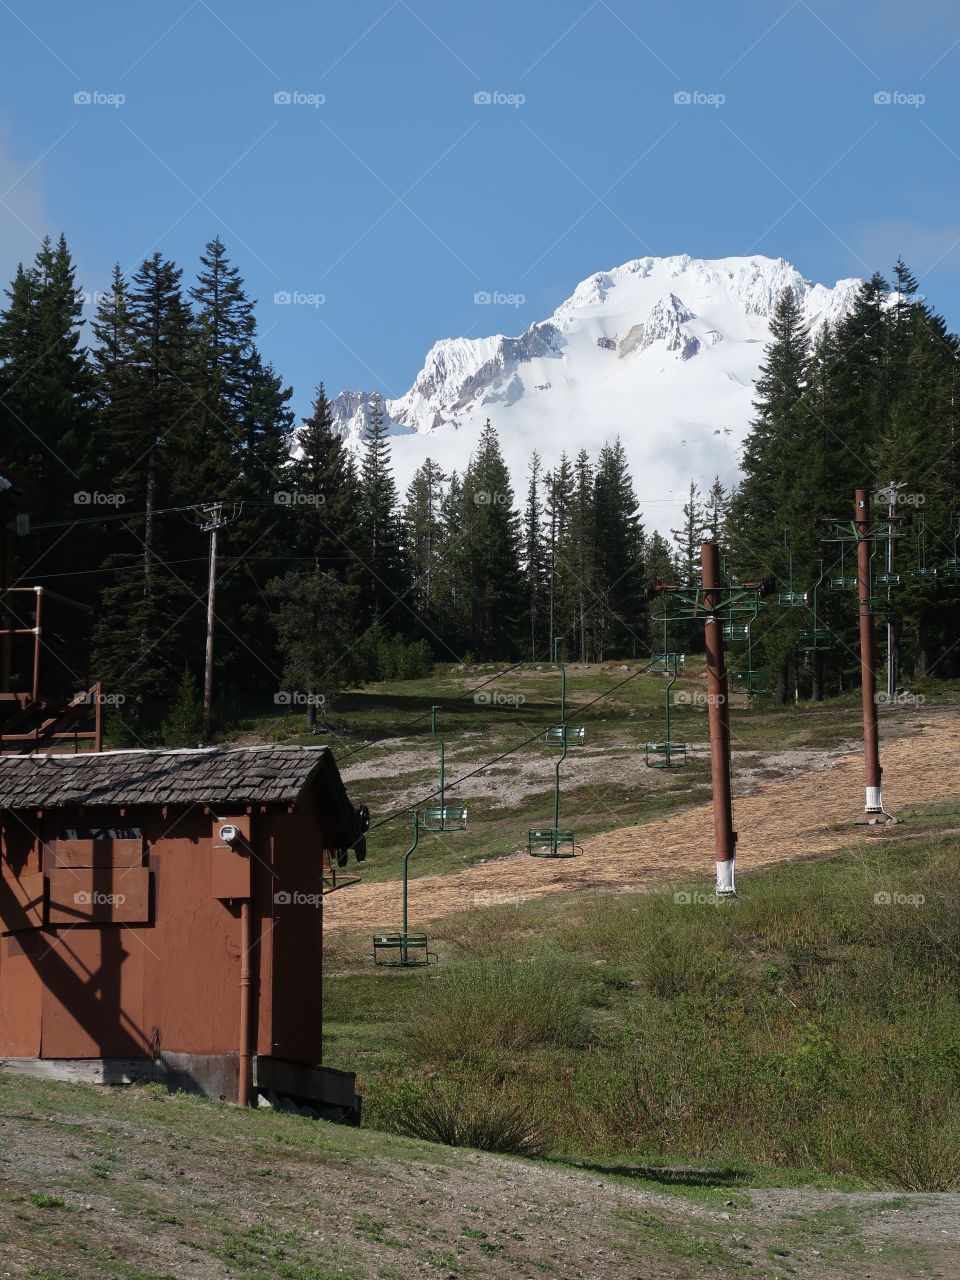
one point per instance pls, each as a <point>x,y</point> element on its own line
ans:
<point>214,521</point>
<point>873,804</point>
<point>718,711</point>
<point>893,656</point>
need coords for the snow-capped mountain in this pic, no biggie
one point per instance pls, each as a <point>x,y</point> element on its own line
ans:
<point>663,352</point>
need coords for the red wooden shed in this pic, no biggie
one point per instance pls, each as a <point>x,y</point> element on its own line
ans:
<point>161,917</point>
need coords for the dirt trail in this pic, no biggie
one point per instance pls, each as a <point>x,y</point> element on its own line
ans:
<point>802,815</point>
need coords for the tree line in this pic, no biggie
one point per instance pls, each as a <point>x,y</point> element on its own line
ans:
<point>870,401</point>
<point>122,436</point>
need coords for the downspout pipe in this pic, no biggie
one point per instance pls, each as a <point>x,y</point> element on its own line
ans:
<point>245,1085</point>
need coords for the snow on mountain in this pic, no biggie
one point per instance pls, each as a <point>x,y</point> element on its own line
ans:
<point>663,352</point>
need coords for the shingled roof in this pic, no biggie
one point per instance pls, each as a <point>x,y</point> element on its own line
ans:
<point>244,775</point>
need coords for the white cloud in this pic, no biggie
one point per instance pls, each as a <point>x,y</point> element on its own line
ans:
<point>23,215</point>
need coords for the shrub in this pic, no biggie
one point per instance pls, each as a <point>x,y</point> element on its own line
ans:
<point>390,657</point>
<point>495,1006</point>
<point>472,1112</point>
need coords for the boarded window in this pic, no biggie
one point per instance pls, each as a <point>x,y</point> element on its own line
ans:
<point>95,847</point>
<point>99,895</point>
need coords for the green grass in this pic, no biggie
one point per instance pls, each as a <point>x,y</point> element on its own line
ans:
<point>264,1196</point>
<point>803,1027</point>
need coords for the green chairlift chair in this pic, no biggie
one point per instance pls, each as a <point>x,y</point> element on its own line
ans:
<point>399,948</point>
<point>951,571</point>
<point>923,572</point>
<point>843,581</point>
<point>551,842</point>
<point>667,754</point>
<point>815,639</point>
<point>442,817</point>
<point>790,599</point>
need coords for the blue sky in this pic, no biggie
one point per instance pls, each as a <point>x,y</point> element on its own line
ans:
<point>385,207</point>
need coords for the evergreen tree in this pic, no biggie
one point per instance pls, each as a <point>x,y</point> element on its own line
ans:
<point>534,559</point>
<point>771,454</point>
<point>316,639</point>
<point>423,535</point>
<point>580,554</point>
<point>454,588</point>
<point>224,366</point>
<point>378,537</point>
<point>559,485</point>
<point>324,472</point>
<point>148,611</point>
<point>619,556</point>
<point>46,388</point>
<point>688,538</point>
<point>184,725</point>
<point>715,512</point>
<point>659,572</point>
<point>492,535</point>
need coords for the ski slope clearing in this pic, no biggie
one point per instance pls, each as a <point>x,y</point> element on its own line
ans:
<point>805,815</point>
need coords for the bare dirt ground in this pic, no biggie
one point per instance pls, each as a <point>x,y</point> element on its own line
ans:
<point>127,1185</point>
<point>803,814</point>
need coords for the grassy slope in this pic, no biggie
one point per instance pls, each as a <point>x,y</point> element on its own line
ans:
<point>803,1027</point>
<point>137,1185</point>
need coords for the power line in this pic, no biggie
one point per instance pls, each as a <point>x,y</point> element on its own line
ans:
<point>504,754</point>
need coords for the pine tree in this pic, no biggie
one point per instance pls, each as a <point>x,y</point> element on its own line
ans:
<point>715,511</point>
<point>492,533</point>
<point>688,537</point>
<point>147,612</point>
<point>316,639</point>
<point>770,456</point>
<point>46,384</point>
<point>378,538</point>
<point>453,591</point>
<point>325,527</point>
<point>619,555</point>
<point>658,572</point>
<point>581,554</point>
<point>223,356</point>
<point>534,558</point>
<point>423,537</point>
<point>184,725</point>
<point>559,487</point>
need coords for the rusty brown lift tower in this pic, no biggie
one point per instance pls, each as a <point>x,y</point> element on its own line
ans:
<point>722,606</point>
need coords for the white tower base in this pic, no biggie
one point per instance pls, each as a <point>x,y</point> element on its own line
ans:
<point>725,883</point>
